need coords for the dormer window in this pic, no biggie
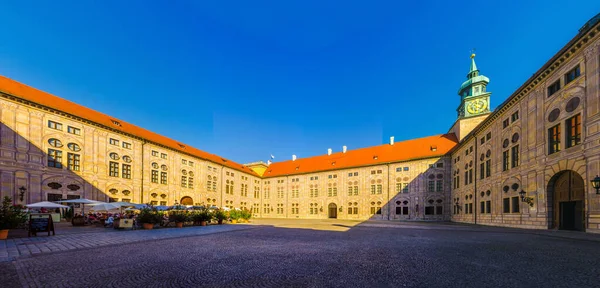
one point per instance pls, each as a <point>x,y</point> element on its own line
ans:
<point>115,122</point>
<point>433,148</point>
<point>375,157</point>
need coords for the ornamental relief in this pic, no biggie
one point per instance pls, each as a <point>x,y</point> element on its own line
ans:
<point>559,99</point>
<point>509,133</point>
<point>8,105</point>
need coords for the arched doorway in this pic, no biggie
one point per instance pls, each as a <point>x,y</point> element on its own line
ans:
<point>332,210</point>
<point>186,201</point>
<point>566,189</point>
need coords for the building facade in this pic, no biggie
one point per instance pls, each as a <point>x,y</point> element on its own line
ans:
<point>528,163</point>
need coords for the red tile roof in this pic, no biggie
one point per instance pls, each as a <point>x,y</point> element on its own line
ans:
<point>427,147</point>
<point>25,92</point>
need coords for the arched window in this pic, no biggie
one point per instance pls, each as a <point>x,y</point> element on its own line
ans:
<point>74,147</point>
<point>55,143</point>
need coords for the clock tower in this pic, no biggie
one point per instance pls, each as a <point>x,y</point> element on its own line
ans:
<point>474,102</point>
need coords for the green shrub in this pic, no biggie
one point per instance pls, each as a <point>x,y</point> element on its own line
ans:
<point>201,215</point>
<point>178,216</point>
<point>11,216</point>
<point>220,214</point>
<point>246,214</point>
<point>150,215</point>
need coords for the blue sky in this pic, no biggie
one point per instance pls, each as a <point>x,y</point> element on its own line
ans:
<point>245,79</point>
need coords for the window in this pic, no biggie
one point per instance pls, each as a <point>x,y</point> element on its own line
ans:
<point>439,165</point>
<point>431,186</point>
<point>54,158</point>
<point>55,143</point>
<point>505,123</point>
<point>399,169</point>
<point>73,130</point>
<point>515,204</point>
<point>488,136</point>
<point>184,183</point>
<point>572,75</point>
<point>573,126</point>
<point>439,185</point>
<point>114,156</point>
<point>191,164</point>
<point>482,207</point>
<point>404,187</point>
<point>74,147</point>
<point>488,207</point>
<point>379,189</point>
<point>163,177</point>
<point>73,161</point>
<point>405,169</point>
<point>113,141</point>
<point>554,139</point>
<point>429,210</point>
<point>54,125</point>
<point>127,159</point>
<point>488,167</point>
<point>163,155</point>
<point>155,177</point>
<point>505,160</point>
<point>126,145</point>
<point>515,116</point>
<point>373,189</point>
<point>553,88</point>
<point>113,169</point>
<point>155,153</point>
<point>506,205</point>
<point>470,176</point>
<point>515,156</point>
<point>190,182</point>
<point>126,171</point>
<point>481,170</point>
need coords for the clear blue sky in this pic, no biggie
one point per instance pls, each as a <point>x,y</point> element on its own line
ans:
<point>243,79</point>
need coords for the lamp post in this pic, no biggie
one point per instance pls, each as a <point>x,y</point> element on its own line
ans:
<point>596,184</point>
<point>22,193</point>
<point>528,200</point>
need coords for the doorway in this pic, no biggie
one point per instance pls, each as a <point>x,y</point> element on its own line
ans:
<point>332,211</point>
<point>186,201</point>
<point>568,201</point>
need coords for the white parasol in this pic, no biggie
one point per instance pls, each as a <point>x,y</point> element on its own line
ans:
<point>104,207</point>
<point>80,201</point>
<point>45,204</point>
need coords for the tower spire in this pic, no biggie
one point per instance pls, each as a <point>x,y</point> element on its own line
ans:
<point>473,66</point>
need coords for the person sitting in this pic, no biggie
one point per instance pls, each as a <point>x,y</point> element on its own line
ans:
<point>109,222</point>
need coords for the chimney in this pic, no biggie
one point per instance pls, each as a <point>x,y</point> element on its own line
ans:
<point>392,140</point>
<point>329,151</point>
<point>344,148</point>
<point>293,157</point>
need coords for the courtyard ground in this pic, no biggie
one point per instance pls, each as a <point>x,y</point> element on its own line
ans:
<point>307,253</point>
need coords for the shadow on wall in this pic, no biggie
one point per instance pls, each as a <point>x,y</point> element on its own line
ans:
<point>52,174</point>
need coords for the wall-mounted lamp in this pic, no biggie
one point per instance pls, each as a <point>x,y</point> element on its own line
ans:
<point>596,184</point>
<point>321,209</point>
<point>22,193</point>
<point>341,209</point>
<point>528,200</point>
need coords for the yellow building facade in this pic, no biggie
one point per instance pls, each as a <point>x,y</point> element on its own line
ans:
<point>528,163</point>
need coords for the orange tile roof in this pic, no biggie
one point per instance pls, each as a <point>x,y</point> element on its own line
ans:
<point>400,151</point>
<point>25,92</point>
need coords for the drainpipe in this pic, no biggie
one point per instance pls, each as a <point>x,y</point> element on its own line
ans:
<point>475,170</point>
<point>388,194</point>
<point>142,190</point>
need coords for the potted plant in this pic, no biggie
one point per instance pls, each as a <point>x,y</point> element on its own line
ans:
<point>178,216</point>
<point>220,215</point>
<point>78,220</point>
<point>235,215</point>
<point>11,216</point>
<point>148,217</point>
<point>201,217</point>
<point>69,214</point>
<point>246,215</point>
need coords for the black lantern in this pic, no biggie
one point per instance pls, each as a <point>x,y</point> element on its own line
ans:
<point>596,184</point>
<point>528,200</point>
<point>22,192</point>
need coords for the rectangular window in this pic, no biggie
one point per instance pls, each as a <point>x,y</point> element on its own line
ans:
<point>505,123</point>
<point>572,75</point>
<point>439,210</point>
<point>349,174</point>
<point>573,126</point>
<point>163,155</point>
<point>440,165</point>
<point>470,208</point>
<point>505,160</point>
<point>73,161</point>
<point>126,173</point>
<point>514,117</point>
<point>554,139</point>
<point>113,141</point>
<point>488,207</point>
<point>515,204</point>
<point>54,125</point>
<point>163,178</point>
<point>481,170</point>
<point>488,136</point>
<point>515,156</point>
<point>470,176</point>
<point>373,189</point>
<point>73,130</point>
<point>488,167</point>
<point>466,177</point>
<point>155,177</point>
<point>155,154</point>
<point>379,188</point>
<point>404,187</point>
<point>482,140</point>
<point>506,205</point>
<point>191,164</point>
<point>553,88</point>
<point>482,207</point>
<point>399,169</point>
<point>355,190</point>
<point>429,210</point>
<point>184,182</point>
<point>431,186</point>
<point>457,181</point>
<point>126,145</point>
<point>183,161</point>
<point>191,184</point>
<point>113,169</point>
<point>405,168</point>
<point>355,173</point>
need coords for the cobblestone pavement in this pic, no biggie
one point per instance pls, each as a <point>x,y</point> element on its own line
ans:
<point>12,248</point>
<point>363,256</point>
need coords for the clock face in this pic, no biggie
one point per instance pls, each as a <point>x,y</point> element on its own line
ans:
<point>476,106</point>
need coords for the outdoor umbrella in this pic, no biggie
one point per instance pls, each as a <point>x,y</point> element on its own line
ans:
<point>104,207</point>
<point>45,204</point>
<point>80,201</point>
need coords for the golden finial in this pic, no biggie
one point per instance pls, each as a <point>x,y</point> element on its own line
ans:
<point>472,53</point>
